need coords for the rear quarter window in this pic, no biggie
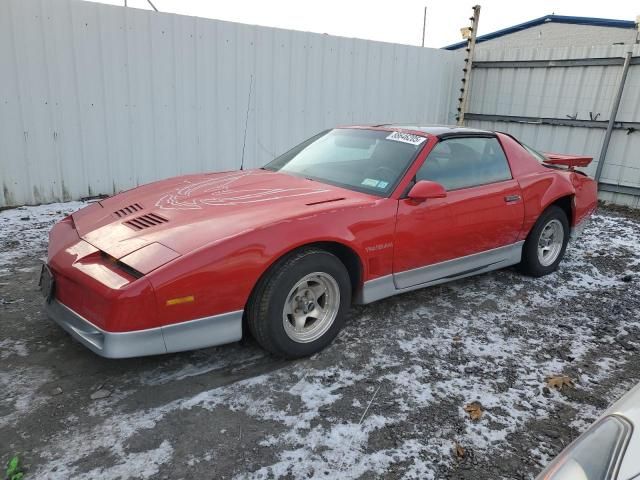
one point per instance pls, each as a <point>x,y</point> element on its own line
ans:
<point>537,155</point>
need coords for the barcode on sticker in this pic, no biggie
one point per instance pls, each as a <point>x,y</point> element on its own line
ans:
<point>406,138</point>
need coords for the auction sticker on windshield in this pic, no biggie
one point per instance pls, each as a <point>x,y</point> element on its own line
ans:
<point>406,138</point>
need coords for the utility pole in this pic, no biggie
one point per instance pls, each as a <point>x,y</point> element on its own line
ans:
<point>424,24</point>
<point>470,34</point>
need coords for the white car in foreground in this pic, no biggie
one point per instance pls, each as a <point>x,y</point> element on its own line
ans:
<point>608,450</point>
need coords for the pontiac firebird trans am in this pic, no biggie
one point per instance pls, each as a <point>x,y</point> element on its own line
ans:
<point>353,214</point>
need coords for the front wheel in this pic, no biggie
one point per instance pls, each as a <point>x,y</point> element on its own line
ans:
<point>545,246</point>
<point>299,306</point>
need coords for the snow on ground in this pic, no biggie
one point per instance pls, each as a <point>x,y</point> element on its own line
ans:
<point>386,398</point>
<point>25,229</point>
<point>12,346</point>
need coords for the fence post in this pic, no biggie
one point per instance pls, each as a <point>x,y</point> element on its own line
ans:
<point>468,64</point>
<point>612,116</point>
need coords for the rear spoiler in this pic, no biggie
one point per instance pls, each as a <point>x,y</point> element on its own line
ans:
<point>570,161</point>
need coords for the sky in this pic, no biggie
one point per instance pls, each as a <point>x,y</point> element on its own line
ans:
<point>398,21</point>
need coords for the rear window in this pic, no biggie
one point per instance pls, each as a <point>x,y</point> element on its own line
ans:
<point>541,158</point>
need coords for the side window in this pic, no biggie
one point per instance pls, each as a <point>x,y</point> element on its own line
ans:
<point>465,162</point>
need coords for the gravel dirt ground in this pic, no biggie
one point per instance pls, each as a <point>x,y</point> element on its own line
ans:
<point>386,399</point>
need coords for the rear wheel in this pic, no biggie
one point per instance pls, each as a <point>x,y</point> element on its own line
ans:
<point>545,246</point>
<point>299,306</point>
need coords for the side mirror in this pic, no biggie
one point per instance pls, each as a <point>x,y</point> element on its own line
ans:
<point>426,189</point>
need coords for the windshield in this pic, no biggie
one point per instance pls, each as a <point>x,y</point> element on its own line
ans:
<point>371,161</point>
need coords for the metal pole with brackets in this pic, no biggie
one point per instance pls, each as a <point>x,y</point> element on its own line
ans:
<point>612,116</point>
<point>470,34</point>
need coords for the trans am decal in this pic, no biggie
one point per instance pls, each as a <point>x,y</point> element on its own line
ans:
<point>221,191</point>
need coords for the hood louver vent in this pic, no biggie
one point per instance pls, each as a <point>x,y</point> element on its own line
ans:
<point>146,221</point>
<point>123,212</point>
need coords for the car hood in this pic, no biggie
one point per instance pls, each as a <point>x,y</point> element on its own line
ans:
<point>185,213</point>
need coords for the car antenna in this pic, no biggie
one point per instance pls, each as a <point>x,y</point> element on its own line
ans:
<point>246,122</point>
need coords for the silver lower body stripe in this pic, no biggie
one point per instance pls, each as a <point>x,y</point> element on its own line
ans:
<point>576,231</point>
<point>441,272</point>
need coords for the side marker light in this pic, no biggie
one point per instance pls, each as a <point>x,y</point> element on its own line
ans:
<point>179,300</point>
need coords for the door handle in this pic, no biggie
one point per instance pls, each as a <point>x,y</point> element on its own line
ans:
<point>512,198</point>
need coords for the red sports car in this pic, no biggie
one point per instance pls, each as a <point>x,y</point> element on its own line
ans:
<point>353,214</point>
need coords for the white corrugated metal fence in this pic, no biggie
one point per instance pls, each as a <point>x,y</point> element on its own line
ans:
<point>566,92</point>
<point>95,98</point>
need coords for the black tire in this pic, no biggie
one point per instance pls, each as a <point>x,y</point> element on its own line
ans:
<point>530,263</point>
<point>266,305</point>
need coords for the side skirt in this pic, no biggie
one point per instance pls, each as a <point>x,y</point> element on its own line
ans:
<point>442,272</point>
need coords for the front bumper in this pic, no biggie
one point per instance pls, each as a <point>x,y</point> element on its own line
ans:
<point>190,335</point>
<point>106,344</point>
